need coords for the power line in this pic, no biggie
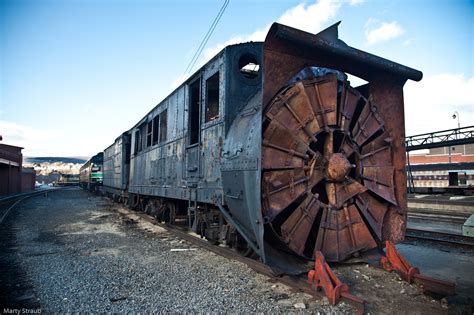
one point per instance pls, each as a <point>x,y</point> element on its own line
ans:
<point>206,38</point>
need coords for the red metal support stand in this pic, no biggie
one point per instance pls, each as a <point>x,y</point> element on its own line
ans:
<point>323,277</point>
<point>394,261</point>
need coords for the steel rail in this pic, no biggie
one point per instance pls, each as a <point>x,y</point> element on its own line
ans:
<point>11,201</point>
<point>441,237</point>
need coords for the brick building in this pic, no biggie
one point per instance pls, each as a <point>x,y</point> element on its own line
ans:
<point>443,167</point>
<point>13,178</point>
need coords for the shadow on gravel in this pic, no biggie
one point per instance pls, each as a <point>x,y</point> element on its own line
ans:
<point>17,291</point>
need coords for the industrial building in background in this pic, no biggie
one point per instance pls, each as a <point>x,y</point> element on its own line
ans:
<point>14,179</point>
<point>448,167</point>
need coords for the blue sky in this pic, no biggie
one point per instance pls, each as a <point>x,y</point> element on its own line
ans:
<point>75,74</point>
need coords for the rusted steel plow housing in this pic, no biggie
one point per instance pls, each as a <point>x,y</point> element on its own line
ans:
<point>333,156</point>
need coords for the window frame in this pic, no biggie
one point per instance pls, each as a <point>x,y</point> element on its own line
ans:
<point>212,86</point>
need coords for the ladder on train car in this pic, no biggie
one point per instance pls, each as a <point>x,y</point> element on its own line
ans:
<point>192,205</point>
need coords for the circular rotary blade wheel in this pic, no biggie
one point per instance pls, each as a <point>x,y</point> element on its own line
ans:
<point>327,175</point>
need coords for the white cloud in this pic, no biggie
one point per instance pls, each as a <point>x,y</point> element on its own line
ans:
<point>356,2</point>
<point>256,36</point>
<point>307,17</point>
<point>63,141</point>
<point>311,18</point>
<point>382,32</point>
<point>32,139</point>
<point>430,103</point>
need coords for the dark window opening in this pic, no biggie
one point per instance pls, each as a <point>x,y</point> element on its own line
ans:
<point>138,142</point>
<point>149,130</point>
<point>143,130</point>
<point>248,66</point>
<point>95,168</point>
<point>163,125</point>
<point>127,150</point>
<point>156,124</point>
<point>194,121</point>
<point>212,98</point>
<point>453,179</point>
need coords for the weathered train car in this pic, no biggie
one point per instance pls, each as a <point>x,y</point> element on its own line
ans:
<point>68,180</point>
<point>455,178</point>
<point>269,146</point>
<point>90,174</point>
<point>117,168</point>
<point>177,148</point>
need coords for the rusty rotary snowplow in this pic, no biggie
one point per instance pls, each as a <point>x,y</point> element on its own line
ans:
<point>333,157</point>
<point>333,160</point>
<point>328,169</point>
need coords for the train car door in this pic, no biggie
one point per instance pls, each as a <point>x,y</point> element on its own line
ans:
<point>194,133</point>
<point>193,148</point>
<point>453,179</point>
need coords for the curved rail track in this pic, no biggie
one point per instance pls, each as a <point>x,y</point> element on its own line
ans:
<point>8,203</point>
<point>440,237</point>
<point>439,218</point>
<point>18,292</point>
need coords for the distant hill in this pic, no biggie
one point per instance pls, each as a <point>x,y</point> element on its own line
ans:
<point>49,159</point>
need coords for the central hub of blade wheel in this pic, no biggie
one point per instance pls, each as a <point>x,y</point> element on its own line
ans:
<point>338,168</point>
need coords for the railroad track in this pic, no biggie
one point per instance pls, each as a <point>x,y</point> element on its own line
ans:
<point>440,237</point>
<point>437,217</point>
<point>18,292</point>
<point>299,283</point>
<point>8,203</point>
<point>449,218</point>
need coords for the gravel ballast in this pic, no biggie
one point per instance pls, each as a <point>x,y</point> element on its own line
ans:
<point>81,253</point>
<point>82,257</point>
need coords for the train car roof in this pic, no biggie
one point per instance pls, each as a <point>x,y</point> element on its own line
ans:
<point>190,78</point>
<point>94,157</point>
<point>442,166</point>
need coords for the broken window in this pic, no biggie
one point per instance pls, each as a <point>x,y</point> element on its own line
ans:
<point>143,131</point>
<point>194,120</point>
<point>163,125</point>
<point>138,142</point>
<point>156,124</point>
<point>127,149</point>
<point>212,98</point>
<point>149,133</point>
<point>249,66</point>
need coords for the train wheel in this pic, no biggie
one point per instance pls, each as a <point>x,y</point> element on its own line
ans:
<point>169,214</point>
<point>327,176</point>
<point>149,208</point>
<point>235,241</point>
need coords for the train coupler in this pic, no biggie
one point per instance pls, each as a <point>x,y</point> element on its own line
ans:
<point>394,261</point>
<point>322,277</point>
